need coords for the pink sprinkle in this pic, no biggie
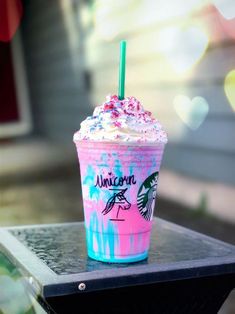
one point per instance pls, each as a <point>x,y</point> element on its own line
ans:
<point>108,106</point>
<point>115,114</point>
<point>117,124</point>
<point>113,98</point>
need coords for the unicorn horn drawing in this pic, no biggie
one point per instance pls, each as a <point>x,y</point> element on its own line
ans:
<point>119,201</point>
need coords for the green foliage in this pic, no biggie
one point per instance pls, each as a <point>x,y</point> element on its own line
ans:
<point>14,297</point>
<point>201,209</point>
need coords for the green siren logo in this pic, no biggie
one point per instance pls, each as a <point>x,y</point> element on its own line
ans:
<point>146,196</point>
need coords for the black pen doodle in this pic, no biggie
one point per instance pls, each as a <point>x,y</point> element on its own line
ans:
<point>117,199</point>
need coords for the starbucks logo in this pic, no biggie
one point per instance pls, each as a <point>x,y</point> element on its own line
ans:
<point>146,196</point>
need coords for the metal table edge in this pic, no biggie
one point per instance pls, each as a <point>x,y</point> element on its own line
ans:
<point>136,276</point>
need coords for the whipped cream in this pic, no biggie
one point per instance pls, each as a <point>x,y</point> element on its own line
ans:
<point>121,121</point>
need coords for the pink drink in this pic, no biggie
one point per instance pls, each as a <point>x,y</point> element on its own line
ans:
<point>119,182</point>
<point>120,149</point>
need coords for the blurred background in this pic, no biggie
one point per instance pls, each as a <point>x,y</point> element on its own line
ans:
<point>59,59</point>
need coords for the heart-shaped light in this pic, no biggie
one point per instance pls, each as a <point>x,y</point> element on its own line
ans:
<point>229,88</point>
<point>228,26</point>
<point>226,8</point>
<point>192,112</point>
<point>10,16</point>
<point>183,47</point>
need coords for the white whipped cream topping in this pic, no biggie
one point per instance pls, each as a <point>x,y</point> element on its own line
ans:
<point>121,121</point>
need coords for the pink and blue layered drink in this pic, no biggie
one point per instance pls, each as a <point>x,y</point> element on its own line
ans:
<point>120,150</point>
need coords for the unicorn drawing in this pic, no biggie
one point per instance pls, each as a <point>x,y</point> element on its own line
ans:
<point>119,201</point>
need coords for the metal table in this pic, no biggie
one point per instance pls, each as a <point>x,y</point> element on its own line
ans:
<point>186,272</point>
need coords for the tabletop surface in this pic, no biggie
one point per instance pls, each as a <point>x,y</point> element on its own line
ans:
<point>63,247</point>
<point>57,253</point>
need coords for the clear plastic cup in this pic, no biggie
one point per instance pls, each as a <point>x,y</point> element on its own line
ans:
<point>119,184</point>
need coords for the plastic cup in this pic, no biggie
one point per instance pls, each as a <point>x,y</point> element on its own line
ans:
<point>119,183</point>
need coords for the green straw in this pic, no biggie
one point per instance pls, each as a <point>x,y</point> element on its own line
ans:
<point>122,70</point>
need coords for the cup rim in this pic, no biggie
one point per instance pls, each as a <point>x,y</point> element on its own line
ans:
<point>136,144</point>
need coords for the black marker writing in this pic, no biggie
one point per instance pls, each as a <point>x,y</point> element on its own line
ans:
<point>114,181</point>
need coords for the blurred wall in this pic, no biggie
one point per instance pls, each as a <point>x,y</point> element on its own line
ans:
<point>57,82</point>
<point>179,54</point>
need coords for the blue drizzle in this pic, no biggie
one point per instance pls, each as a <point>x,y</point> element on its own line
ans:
<point>110,238</point>
<point>118,167</point>
<point>94,192</point>
<point>107,239</point>
<point>131,242</point>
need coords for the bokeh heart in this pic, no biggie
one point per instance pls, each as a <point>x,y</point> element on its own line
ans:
<point>226,8</point>
<point>229,88</point>
<point>10,15</point>
<point>183,47</point>
<point>191,112</point>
